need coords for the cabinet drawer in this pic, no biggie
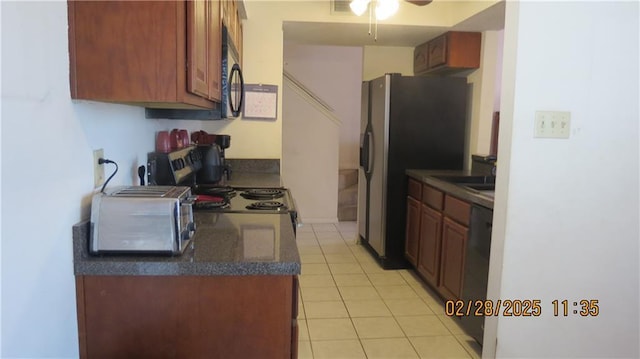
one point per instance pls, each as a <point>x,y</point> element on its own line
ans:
<point>457,209</point>
<point>432,197</point>
<point>414,189</point>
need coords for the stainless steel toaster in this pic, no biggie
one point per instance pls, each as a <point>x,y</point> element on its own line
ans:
<point>139,219</point>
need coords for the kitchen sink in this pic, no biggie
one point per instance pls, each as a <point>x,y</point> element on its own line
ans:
<point>469,180</point>
<point>477,183</point>
<point>480,186</point>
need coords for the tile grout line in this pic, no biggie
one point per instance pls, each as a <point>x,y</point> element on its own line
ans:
<point>368,275</point>
<point>342,301</point>
<point>351,318</point>
<point>345,305</point>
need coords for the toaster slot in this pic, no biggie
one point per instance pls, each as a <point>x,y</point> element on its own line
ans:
<point>143,191</point>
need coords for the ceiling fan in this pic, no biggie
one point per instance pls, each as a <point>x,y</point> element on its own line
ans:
<point>383,8</point>
<point>379,9</point>
<point>419,2</point>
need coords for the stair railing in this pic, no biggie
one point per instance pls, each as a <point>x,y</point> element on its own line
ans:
<point>311,97</point>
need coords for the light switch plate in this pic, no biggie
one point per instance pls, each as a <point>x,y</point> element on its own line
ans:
<point>552,124</point>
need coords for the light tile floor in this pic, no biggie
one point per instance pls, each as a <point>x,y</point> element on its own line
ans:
<point>351,308</point>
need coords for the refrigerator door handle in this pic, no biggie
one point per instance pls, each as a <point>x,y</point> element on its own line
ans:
<point>369,152</point>
<point>366,152</point>
<point>364,147</point>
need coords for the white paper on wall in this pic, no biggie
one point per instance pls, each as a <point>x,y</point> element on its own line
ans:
<point>261,102</point>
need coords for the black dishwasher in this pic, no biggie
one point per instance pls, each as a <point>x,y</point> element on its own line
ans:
<point>476,273</point>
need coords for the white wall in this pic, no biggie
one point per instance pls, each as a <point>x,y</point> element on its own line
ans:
<point>314,147</point>
<point>566,219</point>
<point>262,59</point>
<point>47,176</point>
<point>334,73</point>
<point>486,93</point>
<point>262,52</point>
<point>310,159</point>
<point>379,60</point>
<point>263,56</point>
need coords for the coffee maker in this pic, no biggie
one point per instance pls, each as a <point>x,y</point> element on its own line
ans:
<point>212,148</point>
<point>224,141</point>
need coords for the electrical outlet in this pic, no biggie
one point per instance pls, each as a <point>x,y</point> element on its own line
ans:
<point>98,169</point>
<point>552,124</point>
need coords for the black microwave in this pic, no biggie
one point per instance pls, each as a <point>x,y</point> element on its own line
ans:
<point>232,80</point>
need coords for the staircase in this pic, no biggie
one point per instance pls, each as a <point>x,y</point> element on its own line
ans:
<point>347,195</point>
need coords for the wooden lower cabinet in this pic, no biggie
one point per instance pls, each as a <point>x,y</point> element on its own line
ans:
<point>430,238</point>
<point>436,237</point>
<point>412,232</point>
<point>187,316</point>
<point>454,244</point>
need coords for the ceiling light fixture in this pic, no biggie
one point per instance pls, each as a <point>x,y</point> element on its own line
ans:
<point>383,10</point>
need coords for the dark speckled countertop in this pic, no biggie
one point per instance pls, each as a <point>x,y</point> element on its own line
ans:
<point>482,198</point>
<point>254,180</point>
<point>255,173</point>
<point>224,244</point>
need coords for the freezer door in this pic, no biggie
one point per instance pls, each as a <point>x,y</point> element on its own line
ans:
<point>364,162</point>
<point>379,117</point>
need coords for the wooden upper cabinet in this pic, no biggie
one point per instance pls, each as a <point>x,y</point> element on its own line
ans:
<point>215,51</point>
<point>198,46</point>
<point>420,55</point>
<point>233,22</point>
<point>145,53</point>
<point>449,53</point>
<point>240,41</point>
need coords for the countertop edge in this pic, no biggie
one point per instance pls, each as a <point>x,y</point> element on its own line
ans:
<point>183,269</point>
<point>426,176</point>
<point>106,265</point>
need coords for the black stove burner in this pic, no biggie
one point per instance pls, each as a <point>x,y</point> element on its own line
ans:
<point>217,203</point>
<point>262,193</point>
<point>217,191</point>
<point>267,206</point>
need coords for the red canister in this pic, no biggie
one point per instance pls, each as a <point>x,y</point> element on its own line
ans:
<point>183,138</point>
<point>163,143</point>
<point>174,139</point>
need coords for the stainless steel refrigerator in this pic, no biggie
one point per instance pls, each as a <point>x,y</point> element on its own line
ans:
<point>407,122</point>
